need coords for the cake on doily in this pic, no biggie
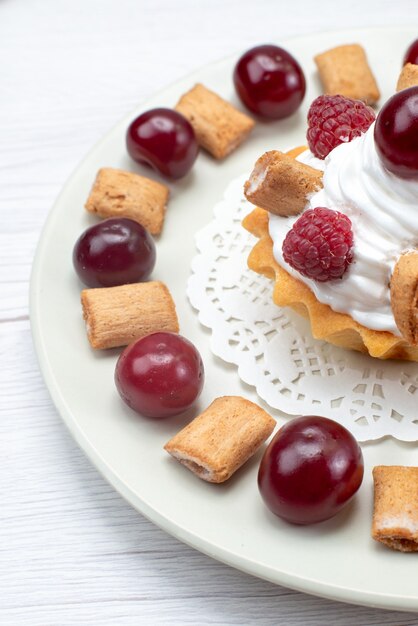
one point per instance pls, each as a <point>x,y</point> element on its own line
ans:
<point>368,301</point>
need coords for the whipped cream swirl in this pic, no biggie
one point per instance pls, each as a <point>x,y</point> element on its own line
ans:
<point>383,210</point>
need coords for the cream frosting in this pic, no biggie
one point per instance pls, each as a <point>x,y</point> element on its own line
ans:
<point>383,210</point>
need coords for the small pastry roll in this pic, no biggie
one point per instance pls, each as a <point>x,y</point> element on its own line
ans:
<point>404,296</point>
<point>217,442</point>
<point>395,516</point>
<point>344,70</point>
<point>408,77</point>
<point>116,316</point>
<point>219,126</point>
<point>280,184</point>
<point>116,193</point>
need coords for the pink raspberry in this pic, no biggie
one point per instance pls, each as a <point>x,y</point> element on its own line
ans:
<point>335,119</point>
<point>319,245</point>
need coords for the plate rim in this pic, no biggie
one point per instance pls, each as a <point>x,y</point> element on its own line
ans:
<point>229,557</point>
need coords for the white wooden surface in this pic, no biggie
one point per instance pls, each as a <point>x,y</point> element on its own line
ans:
<point>72,551</point>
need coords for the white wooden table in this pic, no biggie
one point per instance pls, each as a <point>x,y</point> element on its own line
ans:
<point>72,551</point>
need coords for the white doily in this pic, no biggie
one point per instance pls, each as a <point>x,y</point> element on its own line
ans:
<point>274,349</point>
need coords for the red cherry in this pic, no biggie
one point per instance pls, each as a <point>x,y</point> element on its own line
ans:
<point>160,375</point>
<point>164,140</point>
<point>396,133</point>
<point>310,470</point>
<point>411,55</point>
<point>117,251</point>
<point>269,81</point>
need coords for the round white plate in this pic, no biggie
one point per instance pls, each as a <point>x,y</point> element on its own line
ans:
<point>336,559</point>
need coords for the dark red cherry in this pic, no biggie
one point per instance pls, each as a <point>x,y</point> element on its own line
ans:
<point>396,133</point>
<point>310,470</point>
<point>269,81</point>
<point>160,375</point>
<point>164,140</point>
<point>411,55</point>
<point>116,251</point>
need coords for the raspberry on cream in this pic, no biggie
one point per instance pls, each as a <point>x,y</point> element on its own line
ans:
<point>320,244</point>
<point>333,120</point>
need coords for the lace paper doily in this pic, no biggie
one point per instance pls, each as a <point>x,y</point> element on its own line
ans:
<point>273,347</point>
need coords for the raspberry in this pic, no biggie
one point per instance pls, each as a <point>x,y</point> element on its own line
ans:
<point>335,119</point>
<point>319,245</point>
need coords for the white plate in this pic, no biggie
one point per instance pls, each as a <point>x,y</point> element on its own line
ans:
<point>336,559</point>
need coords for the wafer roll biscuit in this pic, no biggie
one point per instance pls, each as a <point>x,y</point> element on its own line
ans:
<point>280,184</point>
<point>219,126</point>
<point>404,296</point>
<point>408,77</point>
<point>217,442</point>
<point>395,516</point>
<point>116,193</point>
<point>116,316</point>
<point>344,70</point>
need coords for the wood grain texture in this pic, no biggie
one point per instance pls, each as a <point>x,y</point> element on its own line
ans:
<point>72,551</point>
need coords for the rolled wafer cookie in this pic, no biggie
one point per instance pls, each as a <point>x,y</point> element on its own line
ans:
<point>280,184</point>
<point>408,77</point>
<point>116,316</point>
<point>222,438</point>
<point>218,125</point>
<point>404,296</point>
<point>116,193</point>
<point>345,70</point>
<point>395,515</point>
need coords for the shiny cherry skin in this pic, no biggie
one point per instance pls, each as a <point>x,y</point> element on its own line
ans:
<point>116,251</point>
<point>310,470</point>
<point>164,140</point>
<point>411,55</point>
<point>160,375</point>
<point>396,134</point>
<point>269,81</point>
